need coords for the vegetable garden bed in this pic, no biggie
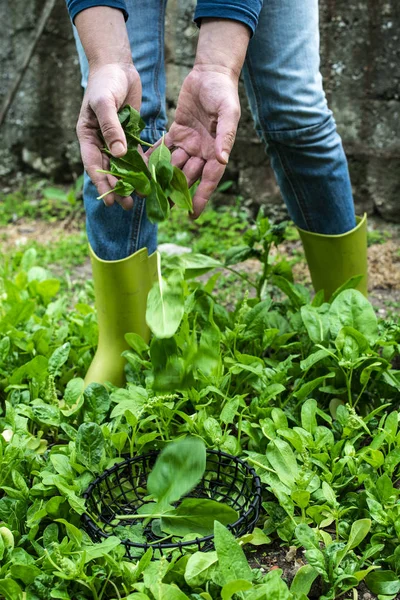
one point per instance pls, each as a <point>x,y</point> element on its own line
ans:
<point>306,392</point>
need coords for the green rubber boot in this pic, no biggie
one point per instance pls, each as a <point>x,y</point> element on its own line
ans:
<point>121,288</point>
<point>333,259</point>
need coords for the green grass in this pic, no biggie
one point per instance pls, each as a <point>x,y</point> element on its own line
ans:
<point>377,236</point>
<point>38,199</point>
<point>216,230</point>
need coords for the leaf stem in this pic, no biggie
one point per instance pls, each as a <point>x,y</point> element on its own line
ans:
<point>140,141</point>
<point>146,516</point>
<point>258,464</point>
<point>241,276</point>
<point>105,194</point>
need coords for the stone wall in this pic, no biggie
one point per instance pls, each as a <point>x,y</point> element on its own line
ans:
<point>360,63</point>
<point>39,131</point>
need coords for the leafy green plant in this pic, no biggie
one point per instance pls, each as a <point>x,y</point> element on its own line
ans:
<point>258,242</point>
<point>36,199</point>
<point>336,563</point>
<point>305,391</point>
<point>159,181</point>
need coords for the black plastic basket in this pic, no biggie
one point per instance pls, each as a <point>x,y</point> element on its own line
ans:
<point>122,488</point>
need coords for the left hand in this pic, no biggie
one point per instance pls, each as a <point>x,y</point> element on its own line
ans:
<point>204,129</point>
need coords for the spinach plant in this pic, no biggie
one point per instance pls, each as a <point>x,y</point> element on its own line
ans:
<point>158,180</point>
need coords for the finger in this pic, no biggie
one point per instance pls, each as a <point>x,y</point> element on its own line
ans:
<point>134,96</point>
<point>145,155</point>
<point>150,151</point>
<point>107,116</point>
<point>90,146</point>
<point>92,161</point>
<point>193,169</point>
<point>112,181</point>
<point>126,202</point>
<point>179,158</point>
<point>227,124</point>
<point>211,176</point>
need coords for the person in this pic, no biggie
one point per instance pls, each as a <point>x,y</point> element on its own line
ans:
<point>276,45</point>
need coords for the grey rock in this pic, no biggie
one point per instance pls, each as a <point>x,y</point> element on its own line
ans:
<point>173,249</point>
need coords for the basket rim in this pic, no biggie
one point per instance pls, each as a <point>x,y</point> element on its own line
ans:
<point>89,524</point>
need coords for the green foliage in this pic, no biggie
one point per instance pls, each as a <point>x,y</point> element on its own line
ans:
<point>35,199</point>
<point>178,469</point>
<point>159,181</point>
<point>307,392</point>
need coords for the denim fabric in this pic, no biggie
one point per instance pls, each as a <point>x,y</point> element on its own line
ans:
<point>286,97</point>
<point>113,232</point>
<point>245,11</point>
<point>76,6</point>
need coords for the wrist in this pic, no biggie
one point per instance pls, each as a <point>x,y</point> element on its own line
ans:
<point>222,46</point>
<point>104,37</point>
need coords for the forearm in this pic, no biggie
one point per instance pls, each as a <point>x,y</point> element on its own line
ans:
<point>222,45</point>
<point>104,37</point>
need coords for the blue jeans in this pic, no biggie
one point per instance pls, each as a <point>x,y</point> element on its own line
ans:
<point>291,116</point>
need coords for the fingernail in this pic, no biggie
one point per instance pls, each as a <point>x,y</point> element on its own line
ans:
<point>117,148</point>
<point>225,156</point>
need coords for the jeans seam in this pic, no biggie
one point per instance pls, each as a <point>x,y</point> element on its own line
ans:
<point>158,63</point>
<point>135,225</point>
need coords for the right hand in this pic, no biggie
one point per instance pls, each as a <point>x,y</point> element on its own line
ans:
<point>110,87</point>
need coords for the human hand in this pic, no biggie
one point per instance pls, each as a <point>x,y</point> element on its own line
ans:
<point>204,129</point>
<point>208,108</point>
<point>110,87</point>
<point>113,83</point>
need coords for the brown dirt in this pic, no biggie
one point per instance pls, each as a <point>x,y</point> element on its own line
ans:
<point>17,235</point>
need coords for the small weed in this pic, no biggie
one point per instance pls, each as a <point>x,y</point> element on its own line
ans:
<point>377,236</point>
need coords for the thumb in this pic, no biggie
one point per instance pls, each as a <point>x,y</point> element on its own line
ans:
<point>226,134</point>
<point>107,116</point>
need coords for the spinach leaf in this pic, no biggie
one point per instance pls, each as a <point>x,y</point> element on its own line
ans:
<point>90,445</point>
<point>197,515</point>
<point>165,305</point>
<point>198,568</point>
<point>232,562</point>
<point>178,469</point>
<point>159,156</point>
<point>179,191</point>
<point>157,205</point>
<point>352,309</point>
<point>131,122</point>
